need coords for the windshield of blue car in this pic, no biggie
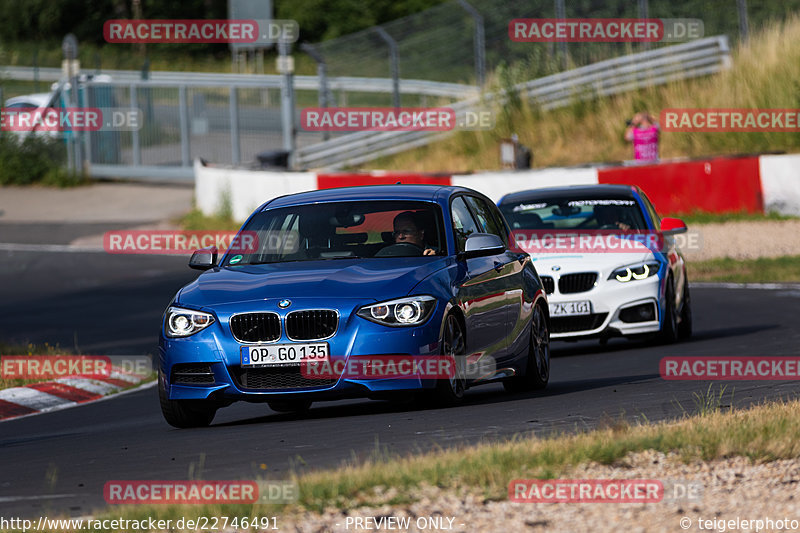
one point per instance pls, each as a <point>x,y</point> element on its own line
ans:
<point>341,230</point>
<point>575,214</point>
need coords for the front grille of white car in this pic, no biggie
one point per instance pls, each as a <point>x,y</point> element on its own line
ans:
<point>572,283</point>
<point>548,284</point>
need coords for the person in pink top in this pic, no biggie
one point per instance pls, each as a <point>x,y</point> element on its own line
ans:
<point>643,133</point>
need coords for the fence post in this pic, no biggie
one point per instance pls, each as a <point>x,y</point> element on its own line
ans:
<point>135,145</point>
<point>322,74</point>
<point>183,112</point>
<point>69,47</point>
<point>743,25</point>
<point>561,13</point>
<point>287,101</point>
<point>236,151</point>
<point>480,42</point>
<point>644,12</point>
<point>394,60</point>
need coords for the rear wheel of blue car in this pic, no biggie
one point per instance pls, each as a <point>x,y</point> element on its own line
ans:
<point>450,391</point>
<point>537,373</point>
<point>185,413</point>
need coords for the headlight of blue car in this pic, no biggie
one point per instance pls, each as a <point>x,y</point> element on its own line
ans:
<point>634,272</point>
<point>184,322</point>
<point>411,311</point>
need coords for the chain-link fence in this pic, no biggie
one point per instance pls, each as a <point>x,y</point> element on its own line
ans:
<point>464,41</point>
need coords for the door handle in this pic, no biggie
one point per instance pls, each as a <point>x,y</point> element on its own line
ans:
<point>498,266</point>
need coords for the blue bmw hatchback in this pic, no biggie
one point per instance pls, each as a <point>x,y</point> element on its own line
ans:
<point>416,271</point>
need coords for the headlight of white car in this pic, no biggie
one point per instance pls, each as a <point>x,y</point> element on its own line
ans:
<point>634,272</point>
<point>184,322</point>
<point>410,311</point>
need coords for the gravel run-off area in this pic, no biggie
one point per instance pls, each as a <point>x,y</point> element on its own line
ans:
<point>695,494</point>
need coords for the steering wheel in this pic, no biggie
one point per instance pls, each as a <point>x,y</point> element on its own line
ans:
<point>400,249</point>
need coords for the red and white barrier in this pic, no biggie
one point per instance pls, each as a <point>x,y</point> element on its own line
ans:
<point>722,184</point>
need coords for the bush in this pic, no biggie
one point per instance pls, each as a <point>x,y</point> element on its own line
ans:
<point>34,160</point>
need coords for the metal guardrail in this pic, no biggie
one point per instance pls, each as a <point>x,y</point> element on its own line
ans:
<point>267,81</point>
<point>683,61</point>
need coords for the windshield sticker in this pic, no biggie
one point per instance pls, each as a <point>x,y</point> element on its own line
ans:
<point>528,207</point>
<point>601,202</point>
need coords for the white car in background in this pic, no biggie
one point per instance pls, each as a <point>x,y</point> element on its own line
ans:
<point>608,262</point>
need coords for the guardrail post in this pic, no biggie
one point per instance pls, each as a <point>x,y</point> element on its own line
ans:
<point>135,146</point>
<point>183,113</point>
<point>322,74</point>
<point>480,42</point>
<point>236,152</point>
<point>394,61</point>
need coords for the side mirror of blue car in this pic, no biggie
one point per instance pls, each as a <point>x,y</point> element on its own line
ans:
<point>481,245</point>
<point>204,258</point>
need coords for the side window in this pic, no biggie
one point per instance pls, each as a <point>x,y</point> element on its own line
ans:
<point>487,220</point>
<point>463,223</point>
<point>652,211</point>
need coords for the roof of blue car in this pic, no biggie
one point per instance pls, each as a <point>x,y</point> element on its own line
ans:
<point>366,192</point>
<point>569,191</point>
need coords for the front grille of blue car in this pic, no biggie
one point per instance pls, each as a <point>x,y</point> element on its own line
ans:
<point>568,324</point>
<point>314,324</point>
<point>572,283</point>
<point>548,284</point>
<point>276,378</point>
<point>256,327</point>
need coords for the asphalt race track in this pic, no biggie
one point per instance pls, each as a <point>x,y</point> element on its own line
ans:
<point>112,304</point>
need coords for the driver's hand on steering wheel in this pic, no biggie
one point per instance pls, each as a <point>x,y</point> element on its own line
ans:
<point>429,251</point>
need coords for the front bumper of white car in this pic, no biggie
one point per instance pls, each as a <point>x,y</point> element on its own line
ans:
<point>614,308</point>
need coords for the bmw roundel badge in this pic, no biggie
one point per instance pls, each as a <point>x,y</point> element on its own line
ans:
<point>283,304</point>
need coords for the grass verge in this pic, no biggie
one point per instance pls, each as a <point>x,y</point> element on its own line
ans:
<point>765,432</point>
<point>195,220</point>
<point>699,217</point>
<point>762,270</point>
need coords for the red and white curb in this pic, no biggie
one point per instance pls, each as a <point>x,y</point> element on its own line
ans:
<point>63,393</point>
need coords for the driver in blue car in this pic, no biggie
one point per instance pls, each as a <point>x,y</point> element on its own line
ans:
<point>407,230</point>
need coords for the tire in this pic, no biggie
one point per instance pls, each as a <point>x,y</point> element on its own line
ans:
<point>669,326</point>
<point>685,325</point>
<point>185,413</point>
<point>290,406</point>
<point>451,391</point>
<point>537,373</point>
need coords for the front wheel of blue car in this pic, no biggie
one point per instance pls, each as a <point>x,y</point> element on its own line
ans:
<point>185,413</point>
<point>537,373</point>
<point>450,391</point>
